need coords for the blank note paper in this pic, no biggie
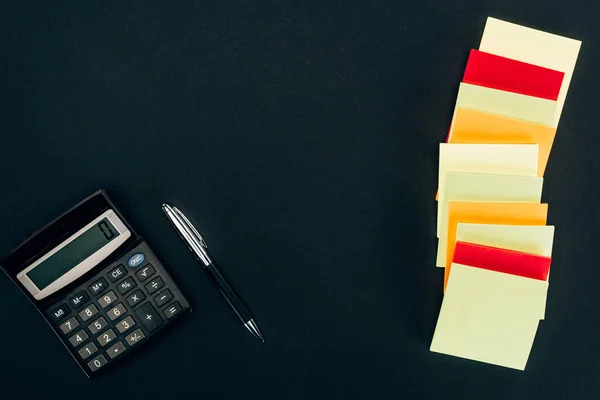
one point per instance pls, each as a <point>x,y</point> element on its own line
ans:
<point>535,47</point>
<point>469,187</point>
<point>489,316</point>
<point>507,104</point>
<point>471,126</point>
<point>494,244</point>
<point>501,159</point>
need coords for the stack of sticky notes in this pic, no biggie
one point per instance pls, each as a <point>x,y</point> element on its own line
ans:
<point>494,243</point>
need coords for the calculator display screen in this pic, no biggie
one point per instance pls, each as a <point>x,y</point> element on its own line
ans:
<point>73,253</point>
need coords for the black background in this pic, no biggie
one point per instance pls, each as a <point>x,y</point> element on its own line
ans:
<point>303,140</point>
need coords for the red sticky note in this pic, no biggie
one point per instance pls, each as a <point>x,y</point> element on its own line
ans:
<point>492,71</point>
<point>502,260</point>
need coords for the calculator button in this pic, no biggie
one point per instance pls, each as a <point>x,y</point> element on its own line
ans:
<point>163,297</point>
<point>136,260</point>
<point>155,285</point>
<point>97,325</point>
<point>60,313</point>
<point>117,273</point>
<point>98,287</point>
<point>172,310</point>
<point>135,298</point>
<point>116,312</point>
<point>106,337</point>
<point>107,299</point>
<point>87,350</point>
<point>69,325</point>
<point>135,336</point>
<point>145,273</point>
<point>97,363</point>
<point>79,300</point>
<point>126,285</point>
<point>124,325</point>
<point>115,350</point>
<point>78,338</point>
<point>148,316</point>
<point>88,312</point>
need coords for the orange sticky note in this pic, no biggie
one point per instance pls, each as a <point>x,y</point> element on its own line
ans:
<point>489,213</point>
<point>471,126</point>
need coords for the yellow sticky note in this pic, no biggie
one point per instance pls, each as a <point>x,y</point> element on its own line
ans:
<point>526,239</point>
<point>468,187</point>
<point>472,126</point>
<point>534,47</point>
<point>488,213</point>
<point>506,104</point>
<point>501,159</point>
<point>489,316</point>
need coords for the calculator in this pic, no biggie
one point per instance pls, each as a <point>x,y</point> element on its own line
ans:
<point>97,283</point>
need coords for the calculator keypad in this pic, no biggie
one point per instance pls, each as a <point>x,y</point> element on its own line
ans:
<point>122,307</point>
<point>88,312</point>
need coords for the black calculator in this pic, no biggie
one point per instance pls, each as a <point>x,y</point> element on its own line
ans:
<point>97,283</point>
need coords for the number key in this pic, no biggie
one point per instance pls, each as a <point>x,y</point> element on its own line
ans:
<point>106,337</point>
<point>78,338</point>
<point>126,285</point>
<point>124,325</point>
<point>97,363</point>
<point>116,312</point>
<point>88,312</point>
<point>97,325</point>
<point>107,299</point>
<point>145,272</point>
<point>69,325</point>
<point>88,350</point>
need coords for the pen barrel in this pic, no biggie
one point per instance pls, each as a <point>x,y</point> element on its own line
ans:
<point>227,291</point>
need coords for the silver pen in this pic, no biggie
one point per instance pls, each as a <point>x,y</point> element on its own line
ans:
<point>198,246</point>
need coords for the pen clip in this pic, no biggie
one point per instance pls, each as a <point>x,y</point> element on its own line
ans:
<point>191,227</point>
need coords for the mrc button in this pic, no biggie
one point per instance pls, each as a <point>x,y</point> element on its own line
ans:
<point>136,260</point>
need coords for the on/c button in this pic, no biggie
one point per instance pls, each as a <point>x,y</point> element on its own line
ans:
<point>117,273</point>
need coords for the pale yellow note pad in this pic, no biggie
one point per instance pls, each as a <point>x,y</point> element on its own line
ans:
<point>507,104</point>
<point>501,159</point>
<point>526,239</point>
<point>489,316</point>
<point>469,187</point>
<point>534,47</point>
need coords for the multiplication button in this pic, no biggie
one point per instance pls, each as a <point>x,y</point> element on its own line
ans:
<point>135,298</point>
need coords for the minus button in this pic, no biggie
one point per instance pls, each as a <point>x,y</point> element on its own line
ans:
<point>163,297</point>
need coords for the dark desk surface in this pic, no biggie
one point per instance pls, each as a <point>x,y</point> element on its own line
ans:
<point>303,138</point>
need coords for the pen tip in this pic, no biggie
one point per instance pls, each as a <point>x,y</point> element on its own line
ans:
<point>166,207</point>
